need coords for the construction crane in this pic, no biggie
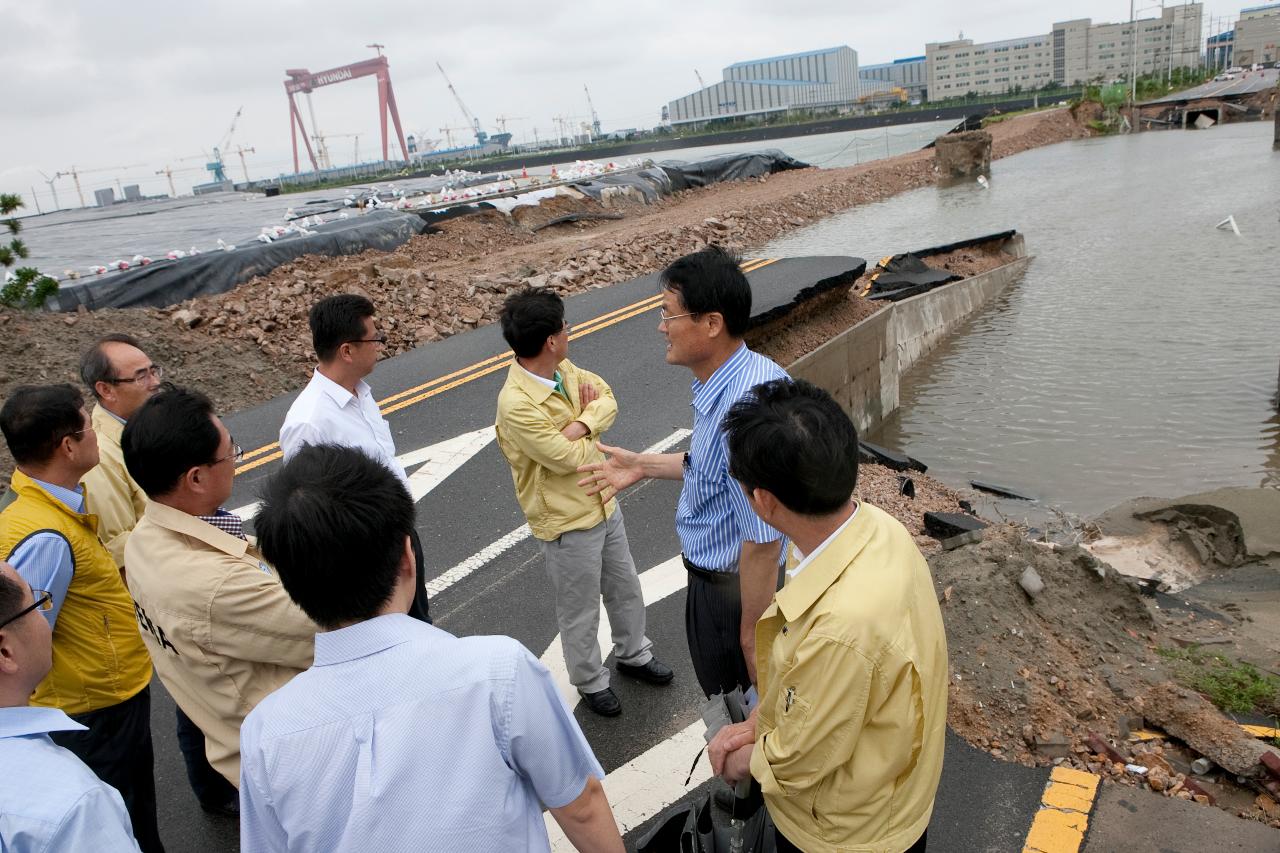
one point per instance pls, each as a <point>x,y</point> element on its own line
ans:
<point>701,85</point>
<point>303,81</point>
<point>168,171</point>
<point>241,150</point>
<point>76,173</point>
<point>595,118</point>
<point>501,121</point>
<point>448,134</point>
<point>50,181</point>
<point>481,136</point>
<point>355,156</point>
<point>215,167</point>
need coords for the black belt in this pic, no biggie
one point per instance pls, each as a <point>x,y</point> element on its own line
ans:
<point>708,575</point>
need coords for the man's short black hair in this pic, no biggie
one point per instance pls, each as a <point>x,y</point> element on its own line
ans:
<point>336,320</point>
<point>169,435</point>
<point>10,598</point>
<point>95,367</point>
<point>334,523</point>
<point>711,280</point>
<point>529,317</point>
<point>36,418</point>
<point>790,438</point>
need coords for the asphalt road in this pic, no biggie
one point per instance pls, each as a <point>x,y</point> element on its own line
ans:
<point>1244,84</point>
<point>448,389</point>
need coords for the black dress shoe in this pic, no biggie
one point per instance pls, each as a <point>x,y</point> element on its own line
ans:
<point>603,702</point>
<point>654,672</point>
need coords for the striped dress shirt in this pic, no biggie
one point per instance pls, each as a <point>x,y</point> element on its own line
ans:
<point>404,737</point>
<point>713,518</point>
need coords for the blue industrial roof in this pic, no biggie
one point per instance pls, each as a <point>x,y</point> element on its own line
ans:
<point>787,56</point>
<point>1260,8</point>
<point>910,59</point>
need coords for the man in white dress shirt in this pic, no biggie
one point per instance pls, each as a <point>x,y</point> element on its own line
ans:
<point>337,406</point>
<point>340,757</point>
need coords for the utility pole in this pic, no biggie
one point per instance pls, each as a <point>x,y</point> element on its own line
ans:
<point>1133,72</point>
<point>36,199</point>
<point>52,189</point>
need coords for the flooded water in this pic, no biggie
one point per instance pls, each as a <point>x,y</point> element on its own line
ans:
<point>78,239</point>
<point>1139,353</point>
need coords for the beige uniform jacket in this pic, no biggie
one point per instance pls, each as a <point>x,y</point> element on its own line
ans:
<point>544,464</point>
<point>852,663</point>
<point>220,628</point>
<point>112,495</point>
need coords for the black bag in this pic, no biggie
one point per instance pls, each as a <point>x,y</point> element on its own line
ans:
<point>690,829</point>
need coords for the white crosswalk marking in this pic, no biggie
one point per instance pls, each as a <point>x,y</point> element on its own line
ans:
<point>648,783</point>
<point>657,583</point>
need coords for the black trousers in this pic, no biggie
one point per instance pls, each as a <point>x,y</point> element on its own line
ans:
<point>210,787</point>
<point>117,747</point>
<point>785,846</point>
<point>420,609</point>
<point>712,623</point>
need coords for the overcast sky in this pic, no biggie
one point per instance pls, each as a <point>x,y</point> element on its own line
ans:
<point>143,84</point>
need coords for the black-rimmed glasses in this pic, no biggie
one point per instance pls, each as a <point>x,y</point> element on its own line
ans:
<point>381,339</point>
<point>155,371</point>
<point>44,603</point>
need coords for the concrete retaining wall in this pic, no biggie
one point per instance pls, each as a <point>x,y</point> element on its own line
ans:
<point>862,366</point>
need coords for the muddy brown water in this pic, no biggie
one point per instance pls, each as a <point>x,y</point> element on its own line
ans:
<point>1138,354</point>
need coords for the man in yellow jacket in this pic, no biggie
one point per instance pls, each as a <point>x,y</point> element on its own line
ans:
<point>121,378</point>
<point>851,655</point>
<point>221,629</point>
<point>550,414</point>
<point>101,672</point>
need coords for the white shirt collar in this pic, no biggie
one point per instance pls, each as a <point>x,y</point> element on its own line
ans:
<point>550,383</point>
<point>336,392</point>
<point>806,560</point>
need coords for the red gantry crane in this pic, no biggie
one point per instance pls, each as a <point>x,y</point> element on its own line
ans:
<point>302,80</point>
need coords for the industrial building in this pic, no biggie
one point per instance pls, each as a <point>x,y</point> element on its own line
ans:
<point>1257,35</point>
<point>1072,52</point>
<point>1220,49</point>
<point>817,79</point>
<point>910,74</point>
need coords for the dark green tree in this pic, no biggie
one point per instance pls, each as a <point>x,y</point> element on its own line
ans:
<point>25,287</point>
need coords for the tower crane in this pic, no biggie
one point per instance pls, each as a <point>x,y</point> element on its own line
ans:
<point>501,121</point>
<point>76,173</point>
<point>701,85</point>
<point>481,136</point>
<point>595,118</point>
<point>216,166</point>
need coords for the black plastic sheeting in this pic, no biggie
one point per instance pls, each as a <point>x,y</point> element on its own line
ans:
<point>728,167</point>
<point>652,183</point>
<point>902,276</point>
<point>166,282</point>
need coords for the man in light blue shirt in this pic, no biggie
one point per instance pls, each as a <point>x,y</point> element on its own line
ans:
<point>400,736</point>
<point>49,800</point>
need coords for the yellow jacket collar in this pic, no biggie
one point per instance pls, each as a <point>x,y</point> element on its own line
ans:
<point>804,589</point>
<point>537,391</point>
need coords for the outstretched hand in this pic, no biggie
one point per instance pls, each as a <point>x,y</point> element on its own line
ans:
<point>620,469</point>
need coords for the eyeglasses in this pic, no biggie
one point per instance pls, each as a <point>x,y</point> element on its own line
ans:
<point>667,318</point>
<point>155,371</point>
<point>381,339</point>
<point>44,603</point>
<point>237,453</point>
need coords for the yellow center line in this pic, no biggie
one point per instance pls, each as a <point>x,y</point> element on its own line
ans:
<point>418,393</point>
<point>1059,825</point>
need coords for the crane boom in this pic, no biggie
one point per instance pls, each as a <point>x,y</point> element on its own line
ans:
<point>481,136</point>
<point>595,118</point>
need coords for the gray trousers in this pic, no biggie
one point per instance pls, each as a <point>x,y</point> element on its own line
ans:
<point>585,565</point>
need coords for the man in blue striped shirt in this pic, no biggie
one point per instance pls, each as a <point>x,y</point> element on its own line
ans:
<point>731,555</point>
